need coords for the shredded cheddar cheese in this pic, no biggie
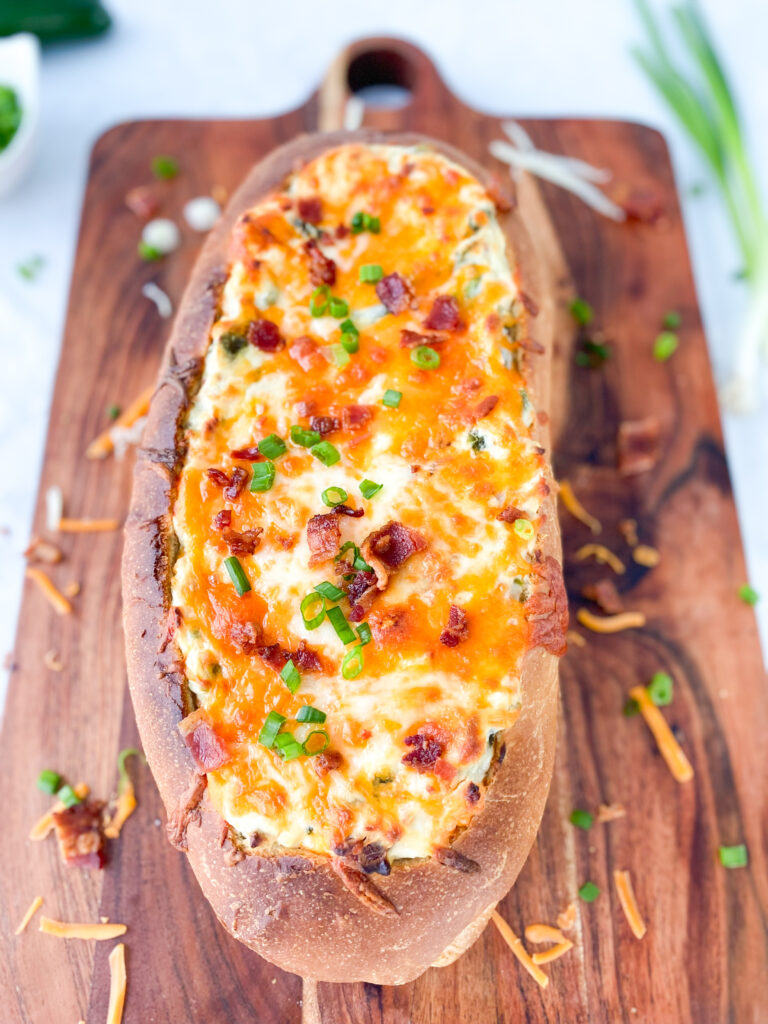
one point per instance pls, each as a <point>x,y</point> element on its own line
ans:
<point>610,623</point>
<point>43,826</point>
<point>566,919</point>
<point>645,555</point>
<point>81,930</point>
<point>668,746</point>
<point>576,509</point>
<point>623,883</point>
<point>103,445</point>
<point>603,555</point>
<point>67,525</point>
<point>519,950</point>
<point>33,908</point>
<point>55,598</point>
<point>117,984</point>
<point>554,953</point>
<point>543,933</point>
<point>610,812</point>
<point>126,797</point>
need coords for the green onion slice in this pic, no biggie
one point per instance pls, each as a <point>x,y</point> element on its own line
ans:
<point>306,438</point>
<point>660,689</point>
<point>524,529</point>
<point>333,496</point>
<point>312,749</point>
<point>368,488</point>
<point>270,729</point>
<point>581,819</point>
<point>748,594</point>
<point>671,320</point>
<point>272,446</point>
<point>589,892</point>
<point>344,631</point>
<point>326,453</point>
<point>425,357</point>
<point>124,778</point>
<point>290,676</point>
<point>329,591</point>
<point>48,781</point>
<point>357,224</point>
<point>665,346</point>
<point>364,632</point>
<point>310,714</point>
<point>319,300</point>
<point>348,327</point>
<point>311,600</point>
<point>581,311</point>
<point>237,575</point>
<point>288,746</point>
<point>263,476</point>
<point>392,398</point>
<point>338,307</point>
<point>733,856</point>
<point>68,796</point>
<point>357,561</point>
<point>164,167</point>
<point>350,343</point>
<point>370,273</point>
<point>352,663</point>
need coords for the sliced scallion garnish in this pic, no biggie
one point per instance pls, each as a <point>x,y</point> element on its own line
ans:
<point>364,632</point>
<point>333,496</point>
<point>581,819</point>
<point>49,781</point>
<point>309,613</point>
<point>665,346</point>
<point>68,796</point>
<point>392,398</point>
<point>270,729</point>
<point>237,575</point>
<point>319,300</point>
<point>338,307</point>
<point>733,856</point>
<point>288,746</point>
<point>524,529</point>
<point>272,446</point>
<point>310,748</point>
<point>352,662</point>
<point>329,591</point>
<point>344,631</point>
<point>326,453</point>
<point>263,476</point>
<point>660,689</point>
<point>310,714</point>
<point>368,488</point>
<point>306,438</point>
<point>290,676</point>
<point>370,273</point>
<point>425,357</point>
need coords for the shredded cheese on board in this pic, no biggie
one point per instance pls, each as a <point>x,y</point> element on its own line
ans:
<point>103,445</point>
<point>668,746</point>
<point>603,555</point>
<point>554,953</point>
<point>543,933</point>
<point>55,598</point>
<point>519,950</point>
<point>645,555</point>
<point>33,908</point>
<point>610,623</point>
<point>88,525</point>
<point>81,929</point>
<point>576,509</point>
<point>623,883</point>
<point>117,984</point>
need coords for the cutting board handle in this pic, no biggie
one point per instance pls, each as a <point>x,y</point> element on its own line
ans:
<point>381,60</point>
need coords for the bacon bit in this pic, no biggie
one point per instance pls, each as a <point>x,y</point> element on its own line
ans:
<point>242,543</point>
<point>246,636</point>
<point>509,514</point>
<point>603,555</point>
<point>395,293</point>
<point>628,530</point>
<point>516,945</point>
<point>72,589</point>
<point>605,595</point>
<point>387,548</point>
<point>303,657</point>
<point>43,551</point>
<point>310,209</point>
<point>372,858</point>
<point>52,661</point>
<point>576,509</point>
<point>265,336</point>
<point>547,609</point>
<point>44,826</point>
<point>357,882</point>
<point>103,445</point>
<point>186,812</point>
<point>57,600</point>
<point>554,953</point>
<point>428,743</point>
<point>328,761</point>
<point>451,858</point>
<point>457,628</point>
<point>669,748</point>
<point>345,510</point>
<point>543,933</point>
<point>444,314</point>
<point>222,520</point>
<point>324,424</point>
<point>610,623</point>
<point>73,930</point>
<point>78,830</point>
<point>566,919</point>
<point>33,908</point>
<point>250,453</point>
<point>142,202</point>
<point>575,638</point>
<point>623,883</point>
<point>206,747</point>
<point>361,591</point>
<point>390,625</point>
<point>412,339</point>
<point>117,984</point>
<point>233,484</point>
<point>472,793</point>
<point>323,537</point>
<point>354,417</point>
<point>305,352</point>
<point>87,525</point>
<point>485,407</point>
<point>610,812</point>
<point>638,445</point>
<point>645,555</point>
<point>321,269</point>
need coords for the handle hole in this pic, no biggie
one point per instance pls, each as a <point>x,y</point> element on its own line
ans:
<point>381,78</point>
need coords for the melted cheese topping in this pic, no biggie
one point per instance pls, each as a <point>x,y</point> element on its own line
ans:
<point>444,473</point>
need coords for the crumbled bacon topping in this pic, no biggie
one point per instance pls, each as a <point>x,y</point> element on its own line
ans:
<point>354,417</point>
<point>394,292</point>
<point>328,761</point>
<point>509,514</point>
<point>387,548</point>
<point>250,453</point>
<point>303,657</point>
<point>322,270</point>
<point>389,625</point>
<point>457,628</point>
<point>244,543</point>
<point>444,315</point>
<point>246,636</point>
<point>78,830</point>
<point>425,752</point>
<point>324,424</point>
<point>233,484</point>
<point>265,335</point>
<point>323,537</point>
<point>547,608</point>
<point>345,510</point>
<point>412,339</point>
<point>360,593</point>
<point>310,209</point>
<point>472,793</point>
<point>222,519</point>
<point>305,352</point>
<point>205,745</point>
<point>486,407</point>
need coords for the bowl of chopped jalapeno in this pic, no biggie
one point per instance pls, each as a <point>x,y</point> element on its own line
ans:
<point>19,94</point>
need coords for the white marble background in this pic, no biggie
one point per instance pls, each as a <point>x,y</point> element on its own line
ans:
<point>247,57</point>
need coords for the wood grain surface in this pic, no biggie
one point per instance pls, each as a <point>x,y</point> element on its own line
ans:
<point>704,959</point>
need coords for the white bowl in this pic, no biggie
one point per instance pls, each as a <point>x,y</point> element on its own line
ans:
<point>20,69</point>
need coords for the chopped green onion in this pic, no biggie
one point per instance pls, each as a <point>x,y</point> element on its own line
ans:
<point>370,273</point>
<point>392,398</point>
<point>329,591</point>
<point>288,746</point>
<point>340,355</point>
<point>660,689</point>
<point>524,529</point>
<point>360,563</point>
<point>306,438</point>
<point>124,778</point>
<point>671,320</point>
<point>263,476</point>
<point>374,225</point>
<point>307,746</point>
<point>312,621</point>
<point>164,167</point>
<point>348,327</point>
<point>357,224</point>
<point>326,453</point>
<point>368,488</point>
<point>365,222</point>
<point>589,892</point>
<point>272,446</point>
<point>232,342</point>
<point>310,714</point>
<point>338,307</point>
<point>113,412</point>
<point>148,252</point>
<point>270,729</point>
<point>425,357</point>
<point>319,300</point>
<point>581,311</point>
<point>748,594</point>
<point>364,632</point>
<point>48,781</point>
<point>68,796</point>
<point>592,354</point>
<point>350,343</point>
<point>581,819</point>
<point>343,629</point>
<point>665,346</point>
<point>352,663</point>
<point>333,496</point>
<point>237,575</point>
<point>631,708</point>
<point>290,676</point>
<point>733,856</point>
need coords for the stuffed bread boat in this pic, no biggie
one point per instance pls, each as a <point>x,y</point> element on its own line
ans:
<point>343,596</point>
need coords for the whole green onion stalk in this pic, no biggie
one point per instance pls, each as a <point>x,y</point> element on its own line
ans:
<point>699,95</point>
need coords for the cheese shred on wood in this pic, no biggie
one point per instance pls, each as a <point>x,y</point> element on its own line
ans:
<point>117,984</point>
<point>368,355</point>
<point>67,525</point>
<point>554,953</point>
<point>55,598</point>
<point>515,944</point>
<point>623,883</point>
<point>33,908</point>
<point>576,509</point>
<point>668,746</point>
<point>81,930</point>
<point>610,623</point>
<point>103,445</point>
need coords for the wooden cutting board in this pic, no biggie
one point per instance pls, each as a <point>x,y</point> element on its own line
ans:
<point>704,959</point>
